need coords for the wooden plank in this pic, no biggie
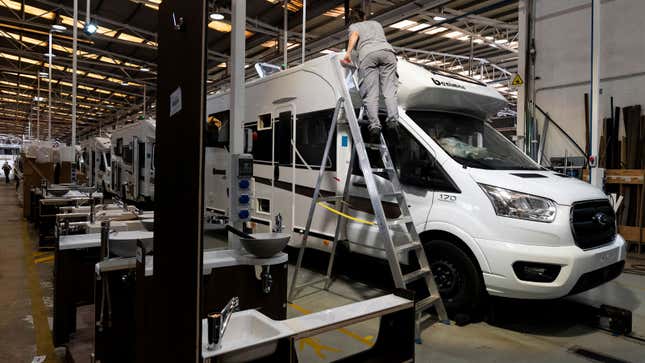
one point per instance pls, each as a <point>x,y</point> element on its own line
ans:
<point>630,233</point>
<point>625,176</point>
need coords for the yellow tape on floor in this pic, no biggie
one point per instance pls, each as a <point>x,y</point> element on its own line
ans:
<point>44,345</point>
<point>367,340</point>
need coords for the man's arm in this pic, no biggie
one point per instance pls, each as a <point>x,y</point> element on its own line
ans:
<point>353,38</point>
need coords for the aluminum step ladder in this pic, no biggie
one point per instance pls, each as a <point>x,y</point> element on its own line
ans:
<point>404,221</point>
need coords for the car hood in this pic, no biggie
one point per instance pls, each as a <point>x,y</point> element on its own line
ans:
<point>557,187</point>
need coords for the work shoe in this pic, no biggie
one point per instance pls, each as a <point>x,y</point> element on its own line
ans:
<point>374,135</point>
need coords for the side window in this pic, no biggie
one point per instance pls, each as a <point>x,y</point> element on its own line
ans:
<point>261,143</point>
<point>118,148</point>
<point>312,130</point>
<point>283,139</point>
<point>128,154</point>
<point>217,129</point>
<point>416,165</point>
<point>102,166</point>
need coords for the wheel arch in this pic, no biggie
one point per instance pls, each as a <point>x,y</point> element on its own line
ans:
<point>471,249</point>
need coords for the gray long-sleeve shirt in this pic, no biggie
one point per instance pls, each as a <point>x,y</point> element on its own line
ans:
<point>371,37</point>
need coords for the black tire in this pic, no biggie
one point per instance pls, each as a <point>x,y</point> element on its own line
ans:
<point>459,279</point>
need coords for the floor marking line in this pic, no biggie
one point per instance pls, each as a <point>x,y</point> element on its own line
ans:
<point>44,345</point>
<point>365,340</point>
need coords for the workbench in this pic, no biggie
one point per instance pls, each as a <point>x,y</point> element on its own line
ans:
<point>120,333</point>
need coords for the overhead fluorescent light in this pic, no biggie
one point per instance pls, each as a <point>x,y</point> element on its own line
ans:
<point>438,18</point>
<point>43,74</point>
<point>421,26</point>
<point>403,24</point>
<point>49,55</point>
<point>501,41</point>
<point>435,30</point>
<point>39,99</point>
<point>216,16</point>
<point>59,27</point>
<point>144,69</point>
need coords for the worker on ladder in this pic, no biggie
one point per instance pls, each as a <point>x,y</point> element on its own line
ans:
<point>376,70</point>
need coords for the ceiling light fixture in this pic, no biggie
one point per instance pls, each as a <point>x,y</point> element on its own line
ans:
<point>216,16</point>
<point>438,18</point>
<point>90,28</point>
<point>144,69</point>
<point>59,27</point>
<point>43,74</point>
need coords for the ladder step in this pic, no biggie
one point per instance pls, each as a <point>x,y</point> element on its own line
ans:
<point>331,198</point>
<point>415,275</point>
<point>426,302</point>
<point>408,247</point>
<point>393,194</point>
<point>372,146</point>
<point>400,221</point>
<point>314,282</point>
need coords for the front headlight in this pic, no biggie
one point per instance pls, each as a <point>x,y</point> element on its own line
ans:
<point>512,204</point>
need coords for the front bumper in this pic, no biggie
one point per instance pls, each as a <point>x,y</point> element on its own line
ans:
<point>581,270</point>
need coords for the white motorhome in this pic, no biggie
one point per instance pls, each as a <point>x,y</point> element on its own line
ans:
<point>10,147</point>
<point>490,218</point>
<point>96,162</point>
<point>133,171</point>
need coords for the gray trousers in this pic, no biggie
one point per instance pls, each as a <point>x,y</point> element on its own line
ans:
<point>377,72</point>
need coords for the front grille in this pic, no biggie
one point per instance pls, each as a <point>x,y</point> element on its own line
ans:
<point>598,277</point>
<point>593,223</point>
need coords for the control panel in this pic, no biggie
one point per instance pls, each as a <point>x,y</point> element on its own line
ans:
<point>242,171</point>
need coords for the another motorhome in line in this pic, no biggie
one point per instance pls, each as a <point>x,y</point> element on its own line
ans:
<point>133,171</point>
<point>96,162</point>
<point>491,219</point>
<point>10,147</point>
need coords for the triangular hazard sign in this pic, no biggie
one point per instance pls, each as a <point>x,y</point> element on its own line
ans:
<point>517,80</point>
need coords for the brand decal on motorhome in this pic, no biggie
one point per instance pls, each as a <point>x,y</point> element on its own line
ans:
<point>448,84</point>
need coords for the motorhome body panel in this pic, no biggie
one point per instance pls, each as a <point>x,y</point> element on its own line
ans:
<point>133,160</point>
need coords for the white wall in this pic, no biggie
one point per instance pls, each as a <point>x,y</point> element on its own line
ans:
<point>563,58</point>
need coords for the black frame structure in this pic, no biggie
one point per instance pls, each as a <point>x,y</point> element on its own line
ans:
<point>179,181</point>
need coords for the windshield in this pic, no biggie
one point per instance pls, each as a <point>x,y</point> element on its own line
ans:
<point>472,142</point>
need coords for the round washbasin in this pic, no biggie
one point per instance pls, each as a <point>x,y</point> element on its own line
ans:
<point>124,244</point>
<point>148,224</point>
<point>265,245</point>
<point>57,192</point>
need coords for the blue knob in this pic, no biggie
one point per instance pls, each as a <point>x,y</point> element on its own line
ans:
<point>244,214</point>
<point>244,184</point>
<point>244,199</point>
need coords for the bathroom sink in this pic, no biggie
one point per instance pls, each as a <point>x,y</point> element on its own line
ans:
<point>265,245</point>
<point>124,244</point>
<point>250,335</point>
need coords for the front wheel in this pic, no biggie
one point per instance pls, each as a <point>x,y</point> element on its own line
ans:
<point>459,280</point>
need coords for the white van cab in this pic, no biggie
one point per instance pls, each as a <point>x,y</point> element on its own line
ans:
<point>490,218</point>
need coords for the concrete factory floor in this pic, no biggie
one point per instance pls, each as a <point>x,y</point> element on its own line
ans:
<point>521,332</point>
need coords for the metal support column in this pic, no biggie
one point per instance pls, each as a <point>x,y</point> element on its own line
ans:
<point>304,30</point>
<point>181,114</point>
<point>595,176</point>
<point>237,60</point>
<point>49,90</point>
<point>285,38</point>
<point>74,69</point>
<point>524,41</point>
<point>38,108</point>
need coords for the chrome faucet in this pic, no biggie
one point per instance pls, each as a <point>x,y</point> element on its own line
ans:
<point>218,322</point>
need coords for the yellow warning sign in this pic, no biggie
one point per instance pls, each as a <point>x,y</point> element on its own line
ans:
<point>517,80</point>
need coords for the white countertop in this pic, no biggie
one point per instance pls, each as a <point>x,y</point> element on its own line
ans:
<point>77,241</point>
<point>212,259</point>
<point>300,327</point>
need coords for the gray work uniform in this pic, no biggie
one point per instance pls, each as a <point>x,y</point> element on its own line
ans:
<point>377,72</point>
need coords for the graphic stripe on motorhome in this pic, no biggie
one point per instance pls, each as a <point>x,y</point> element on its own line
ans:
<point>357,203</point>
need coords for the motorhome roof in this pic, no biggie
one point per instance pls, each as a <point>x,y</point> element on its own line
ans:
<point>420,88</point>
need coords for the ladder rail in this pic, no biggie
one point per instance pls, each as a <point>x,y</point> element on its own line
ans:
<point>316,195</point>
